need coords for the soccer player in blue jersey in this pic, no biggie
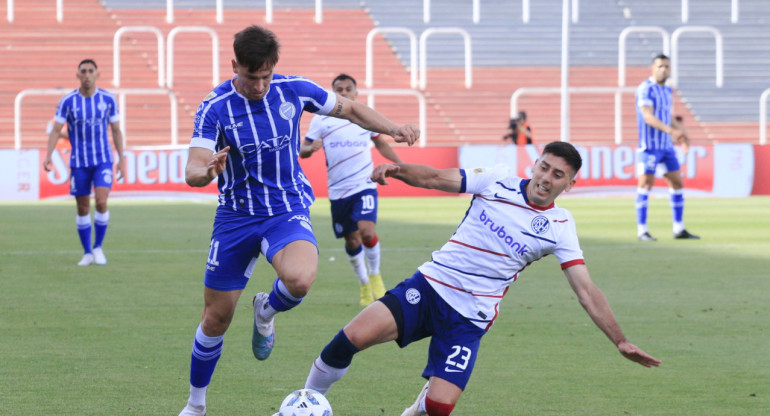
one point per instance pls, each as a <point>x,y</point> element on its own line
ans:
<point>657,129</point>
<point>246,134</point>
<point>88,112</point>
<point>352,193</point>
<point>454,298</point>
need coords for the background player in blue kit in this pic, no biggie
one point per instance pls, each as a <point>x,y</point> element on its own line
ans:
<point>657,129</point>
<point>352,193</point>
<point>87,112</point>
<point>246,134</point>
<point>454,298</point>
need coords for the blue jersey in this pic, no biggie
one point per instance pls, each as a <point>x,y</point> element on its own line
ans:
<point>659,97</point>
<point>262,175</point>
<point>87,120</point>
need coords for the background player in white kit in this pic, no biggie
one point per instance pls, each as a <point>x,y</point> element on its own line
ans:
<point>352,193</point>
<point>88,112</point>
<point>454,297</point>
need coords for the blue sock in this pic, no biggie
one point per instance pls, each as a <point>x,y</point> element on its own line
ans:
<point>84,231</point>
<point>677,205</point>
<point>642,197</point>
<point>280,299</point>
<point>339,352</point>
<point>100,226</point>
<point>205,354</point>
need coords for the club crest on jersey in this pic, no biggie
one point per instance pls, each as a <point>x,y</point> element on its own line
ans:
<point>412,296</point>
<point>303,220</point>
<point>540,224</point>
<point>101,106</point>
<point>287,110</point>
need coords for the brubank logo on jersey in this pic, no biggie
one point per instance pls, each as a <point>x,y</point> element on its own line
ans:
<point>499,231</point>
<point>347,143</point>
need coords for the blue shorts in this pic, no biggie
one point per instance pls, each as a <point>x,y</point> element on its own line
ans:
<point>420,312</point>
<point>238,239</point>
<point>81,179</point>
<point>347,212</point>
<point>649,160</point>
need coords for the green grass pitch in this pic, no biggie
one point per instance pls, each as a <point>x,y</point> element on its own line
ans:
<point>116,340</point>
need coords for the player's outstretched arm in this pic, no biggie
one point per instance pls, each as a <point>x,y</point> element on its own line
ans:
<point>595,304</point>
<point>203,165</point>
<point>309,147</point>
<point>372,120</point>
<point>421,176</point>
<point>53,137</point>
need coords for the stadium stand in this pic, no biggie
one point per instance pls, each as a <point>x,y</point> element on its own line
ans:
<point>507,54</point>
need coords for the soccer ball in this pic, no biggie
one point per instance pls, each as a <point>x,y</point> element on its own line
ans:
<point>305,402</point>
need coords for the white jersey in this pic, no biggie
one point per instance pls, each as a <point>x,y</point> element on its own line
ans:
<point>500,235</point>
<point>348,156</point>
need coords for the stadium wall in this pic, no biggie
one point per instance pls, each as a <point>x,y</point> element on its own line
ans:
<point>729,170</point>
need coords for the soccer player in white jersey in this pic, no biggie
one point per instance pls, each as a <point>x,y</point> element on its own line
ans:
<point>87,112</point>
<point>454,297</point>
<point>654,102</point>
<point>246,134</point>
<point>352,193</point>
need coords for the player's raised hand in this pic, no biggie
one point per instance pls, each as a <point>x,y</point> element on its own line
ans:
<point>408,133</point>
<point>217,162</point>
<point>381,172</point>
<point>635,354</point>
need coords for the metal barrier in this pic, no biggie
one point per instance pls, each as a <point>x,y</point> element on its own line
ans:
<point>426,11</point>
<point>412,53</point>
<point>525,11</point>
<point>674,80</point>
<point>318,11</point>
<point>763,116</point>
<point>733,11</point>
<point>116,52</point>
<point>170,11</point>
<point>421,102</point>
<point>424,53</point>
<point>59,10</point>
<point>121,93</point>
<point>214,52</point>
<point>577,90</point>
<point>622,47</point>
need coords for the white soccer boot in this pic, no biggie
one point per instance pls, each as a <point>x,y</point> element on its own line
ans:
<point>87,260</point>
<point>262,345</point>
<point>191,410</point>
<point>414,409</point>
<point>99,257</point>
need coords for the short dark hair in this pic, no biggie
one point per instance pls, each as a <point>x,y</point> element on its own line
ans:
<point>88,61</point>
<point>523,115</point>
<point>660,56</point>
<point>342,77</point>
<point>256,47</point>
<point>567,152</point>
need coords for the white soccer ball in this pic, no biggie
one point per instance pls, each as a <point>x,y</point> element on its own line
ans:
<point>305,402</point>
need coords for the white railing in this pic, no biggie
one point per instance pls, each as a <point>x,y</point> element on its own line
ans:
<point>116,52</point>
<point>622,47</point>
<point>674,80</point>
<point>733,11</point>
<point>121,93</point>
<point>412,53</point>
<point>424,53</point>
<point>214,52</point>
<point>525,11</point>
<point>59,10</point>
<point>170,11</point>
<point>318,11</point>
<point>617,91</point>
<point>421,102</point>
<point>426,11</point>
<point>763,116</point>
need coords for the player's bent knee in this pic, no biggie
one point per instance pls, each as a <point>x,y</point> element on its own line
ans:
<point>434,408</point>
<point>299,284</point>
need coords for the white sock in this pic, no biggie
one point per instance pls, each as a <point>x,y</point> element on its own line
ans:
<point>373,258</point>
<point>359,267</point>
<point>197,396</point>
<point>322,376</point>
<point>641,229</point>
